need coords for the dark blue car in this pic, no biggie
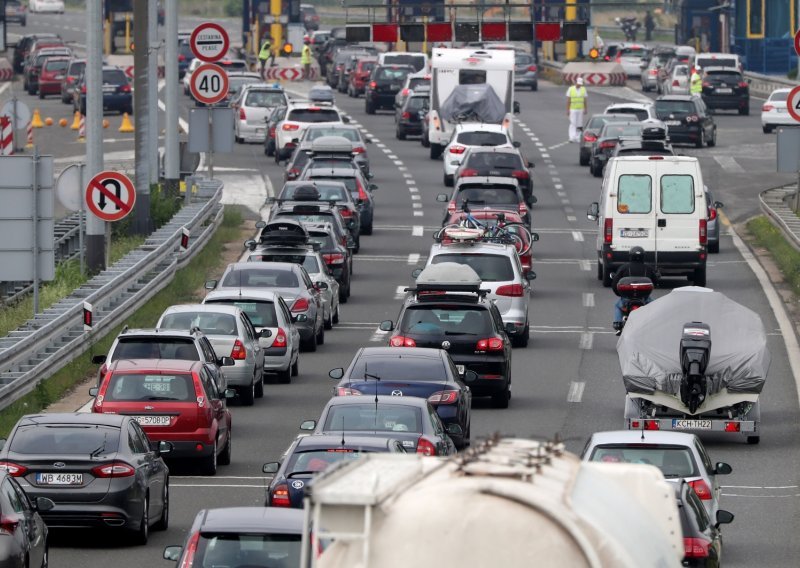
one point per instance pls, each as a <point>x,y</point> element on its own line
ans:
<point>117,92</point>
<point>311,454</point>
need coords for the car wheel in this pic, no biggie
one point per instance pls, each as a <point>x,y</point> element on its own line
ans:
<point>238,139</point>
<point>227,453</point>
<point>41,94</point>
<point>369,109</point>
<point>606,276</point>
<point>321,335</point>
<point>535,87</point>
<point>296,366</point>
<point>424,141</point>
<point>597,170</point>
<point>583,159</point>
<point>335,317</point>
<point>752,440</point>
<point>500,399</point>
<point>699,277</point>
<point>399,135</point>
<point>435,151</point>
<point>522,339</point>
<point>366,229</point>
<point>766,128</point>
<point>327,323</point>
<point>702,139</point>
<point>310,344</point>
<point>141,534</point>
<point>163,521</point>
<point>448,180</point>
<point>260,386</point>
<point>713,247</point>
<point>599,270</point>
<point>46,556</point>
<point>745,111</point>
<point>209,465</point>
<point>247,395</point>
<point>269,150</point>
<point>285,376</point>
<point>713,142</point>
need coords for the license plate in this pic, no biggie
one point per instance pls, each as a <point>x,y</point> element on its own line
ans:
<point>59,77</point>
<point>634,233</point>
<point>59,478</point>
<point>109,89</point>
<point>781,110</point>
<point>680,424</point>
<point>494,173</point>
<point>672,122</point>
<point>461,370</point>
<point>153,420</point>
<point>724,91</point>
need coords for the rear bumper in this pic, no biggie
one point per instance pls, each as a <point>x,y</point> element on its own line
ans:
<point>492,372</point>
<point>186,449</point>
<point>251,132</point>
<point>684,133</point>
<point>50,87</point>
<point>239,375</point>
<point>727,101</point>
<point>409,127</point>
<point>381,100</point>
<point>120,507</point>
<point>185,445</point>
<point>682,262</point>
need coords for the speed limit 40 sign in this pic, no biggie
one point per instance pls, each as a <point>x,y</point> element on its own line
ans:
<point>209,84</point>
<point>793,103</point>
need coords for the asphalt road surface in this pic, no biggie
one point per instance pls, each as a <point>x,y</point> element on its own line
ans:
<point>567,382</point>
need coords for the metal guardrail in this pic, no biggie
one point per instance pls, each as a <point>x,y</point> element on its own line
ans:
<point>52,339</point>
<point>773,203</point>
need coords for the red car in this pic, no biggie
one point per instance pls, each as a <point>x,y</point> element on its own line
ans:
<point>175,401</point>
<point>360,76</point>
<point>489,216</point>
<point>52,75</point>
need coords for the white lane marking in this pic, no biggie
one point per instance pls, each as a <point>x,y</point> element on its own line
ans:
<point>559,186</point>
<point>378,335</point>
<point>565,201</point>
<point>413,189</point>
<point>551,165</point>
<point>586,265</point>
<point>410,181</point>
<point>416,205</point>
<point>760,486</point>
<point>399,292</point>
<point>407,175</point>
<point>376,141</point>
<point>413,258</point>
<point>381,146</point>
<point>575,393</point>
<point>588,299</point>
<point>418,213</point>
<point>561,193</point>
<point>242,486</point>
<point>556,179</point>
<point>555,146</point>
<point>569,210</point>
<point>402,168</point>
<point>545,155</point>
<point>578,236</point>
<point>216,477</point>
<point>571,218</point>
<point>539,144</point>
<point>587,339</point>
<point>397,162</point>
<point>417,231</point>
<point>729,164</point>
<point>415,197</point>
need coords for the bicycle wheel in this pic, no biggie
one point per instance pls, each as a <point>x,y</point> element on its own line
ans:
<point>439,235</point>
<point>520,235</point>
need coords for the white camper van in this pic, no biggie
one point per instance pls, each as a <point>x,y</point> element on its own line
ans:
<point>657,203</point>
<point>453,67</point>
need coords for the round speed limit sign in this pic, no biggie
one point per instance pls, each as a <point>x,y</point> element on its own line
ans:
<point>209,84</point>
<point>793,103</point>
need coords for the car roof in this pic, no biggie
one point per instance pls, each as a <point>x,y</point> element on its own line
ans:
<point>287,266</point>
<point>331,441</point>
<point>676,98</point>
<point>248,74</point>
<point>187,308</point>
<point>251,520</point>
<point>643,106</point>
<point>474,247</point>
<point>72,418</point>
<point>134,333</point>
<point>640,437</point>
<point>386,400</point>
<point>493,150</point>
<point>489,181</point>
<point>394,353</point>
<point>244,294</point>
<point>721,68</point>
<point>149,365</point>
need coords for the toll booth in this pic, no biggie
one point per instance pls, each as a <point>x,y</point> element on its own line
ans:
<point>763,32</point>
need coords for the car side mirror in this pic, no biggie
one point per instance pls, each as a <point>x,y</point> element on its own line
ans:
<point>516,144</point>
<point>470,376</point>
<point>531,164</point>
<point>415,273</point>
<point>44,504</point>
<point>346,119</point>
<point>300,318</point>
<point>530,275</point>
<point>367,140</point>
<point>722,469</point>
<point>516,107</point>
<point>308,424</point>
<point>534,200</point>
<point>372,186</point>
<point>351,225</point>
<point>370,175</point>
<point>210,284</point>
<point>594,211</point>
<point>164,447</point>
<point>230,393</point>
<point>336,373</point>
<point>387,325</point>
<point>723,518</point>
<point>265,333</point>
<point>271,468</point>
<point>442,198</point>
<point>99,359</point>
<point>226,362</point>
<point>93,391</point>
<point>250,244</point>
<point>261,224</point>
<point>322,285</point>
<point>535,237</point>
<point>455,430</point>
<point>173,552</point>
<point>719,204</point>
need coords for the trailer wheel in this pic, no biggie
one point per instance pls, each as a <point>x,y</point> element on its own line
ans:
<point>753,440</point>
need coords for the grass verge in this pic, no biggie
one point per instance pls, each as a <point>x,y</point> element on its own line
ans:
<point>182,289</point>
<point>787,258</point>
<point>68,278</point>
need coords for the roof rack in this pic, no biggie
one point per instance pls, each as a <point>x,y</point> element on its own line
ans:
<point>448,277</point>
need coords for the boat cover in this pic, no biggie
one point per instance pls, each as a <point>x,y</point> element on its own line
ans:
<point>473,103</point>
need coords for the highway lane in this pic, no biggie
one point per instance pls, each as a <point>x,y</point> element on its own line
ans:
<point>571,340</point>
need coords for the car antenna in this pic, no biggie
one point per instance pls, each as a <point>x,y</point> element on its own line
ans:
<point>343,442</point>
<point>240,282</point>
<point>376,378</point>
<point>642,429</point>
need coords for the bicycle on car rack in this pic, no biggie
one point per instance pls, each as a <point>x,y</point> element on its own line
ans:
<point>471,229</point>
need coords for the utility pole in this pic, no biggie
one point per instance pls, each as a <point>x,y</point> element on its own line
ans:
<point>171,145</point>
<point>142,141</point>
<point>95,228</point>
<point>570,14</point>
<point>152,90</point>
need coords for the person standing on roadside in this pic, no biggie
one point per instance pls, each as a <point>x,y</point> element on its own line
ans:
<point>696,82</point>
<point>649,26</point>
<point>577,99</point>
<point>305,58</point>
<point>266,53</point>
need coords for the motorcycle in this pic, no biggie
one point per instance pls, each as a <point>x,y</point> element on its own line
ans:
<point>629,27</point>
<point>634,291</point>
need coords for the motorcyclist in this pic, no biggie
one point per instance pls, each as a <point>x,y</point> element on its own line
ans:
<point>634,267</point>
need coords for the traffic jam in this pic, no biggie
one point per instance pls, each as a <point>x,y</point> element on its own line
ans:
<point>396,430</point>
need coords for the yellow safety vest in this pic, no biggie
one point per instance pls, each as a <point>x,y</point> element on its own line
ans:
<point>266,48</point>
<point>305,56</point>
<point>696,86</point>
<point>577,97</point>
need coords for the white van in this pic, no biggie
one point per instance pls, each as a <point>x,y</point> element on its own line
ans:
<point>730,60</point>
<point>657,203</point>
<point>419,61</point>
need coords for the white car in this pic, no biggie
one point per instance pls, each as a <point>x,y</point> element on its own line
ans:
<point>50,6</point>
<point>642,111</point>
<point>630,56</point>
<point>187,78</point>
<point>469,135</point>
<point>299,115</point>
<point>774,113</point>
<point>252,106</point>
<point>678,82</point>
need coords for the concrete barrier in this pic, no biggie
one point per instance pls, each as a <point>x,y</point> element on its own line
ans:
<point>595,74</point>
<point>6,70</point>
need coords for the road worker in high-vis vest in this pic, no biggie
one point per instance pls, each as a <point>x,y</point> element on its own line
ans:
<point>577,100</point>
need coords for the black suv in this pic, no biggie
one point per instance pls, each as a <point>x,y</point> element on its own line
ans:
<point>337,257</point>
<point>702,539</point>
<point>448,310</point>
<point>687,119</point>
<point>726,88</point>
<point>117,92</point>
<point>332,191</point>
<point>409,116</point>
<point>384,84</point>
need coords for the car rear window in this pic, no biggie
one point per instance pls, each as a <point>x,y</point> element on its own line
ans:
<point>367,65</point>
<point>76,68</point>
<point>480,138</point>
<point>368,418</point>
<point>497,195</point>
<point>415,82</point>
<point>779,96</point>
<point>349,182</point>
<point>130,387</point>
<point>208,322</point>
<point>392,73</point>
<point>56,65</point>
<point>597,122</point>
<point>156,348</point>
<point>677,194</point>
<point>313,115</point>
<point>349,133</point>
<point>264,99</point>
<point>324,239</point>
<point>114,77</point>
<point>251,549</point>
<point>523,59</point>
<point>261,278</point>
<point>326,192</point>
<point>633,52</point>
<point>261,312</point>
<point>446,320</point>
<point>635,194</point>
<point>724,76</point>
<point>65,439</point>
<point>471,77</point>
<point>232,65</point>
<point>319,460</point>
<point>490,267</point>
<point>640,114</point>
<point>235,84</point>
<point>306,261</point>
<point>308,217</point>
<point>400,369</point>
<point>416,61</point>
<point>673,461</point>
<point>617,130</point>
<point>665,108</point>
<point>704,62</point>
<point>417,103</point>
<point>681,71</point>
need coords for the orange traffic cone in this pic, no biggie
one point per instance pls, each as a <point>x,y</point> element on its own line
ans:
<point>76,122</point>
<point>126,125</point>
<point>37,119</point>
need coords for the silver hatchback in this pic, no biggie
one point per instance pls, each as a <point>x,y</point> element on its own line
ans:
<point>231,335</point>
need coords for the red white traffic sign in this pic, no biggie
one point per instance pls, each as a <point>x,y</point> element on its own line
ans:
<point>209,84</point>
<point>797,42</point>
<point>793,103</point>
<point>110,196</point>
<point>209,42</point>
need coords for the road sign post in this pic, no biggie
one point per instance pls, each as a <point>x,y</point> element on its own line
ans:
<point>793,107</point>
<point>209,85</point>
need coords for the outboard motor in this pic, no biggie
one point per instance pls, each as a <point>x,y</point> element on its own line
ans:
<point>695,352</point>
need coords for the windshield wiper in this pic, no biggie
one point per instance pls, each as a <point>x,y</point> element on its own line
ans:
<point>100,449</point>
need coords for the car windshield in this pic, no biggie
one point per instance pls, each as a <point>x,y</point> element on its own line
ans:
<point>349,182</point>
<point>263,99</point>
<point>313,115</point>
<point>392,74</point>
<point>56,64</point>
<point>665,108</point>
<point>402,368</point>
<point>371,417</point>
<point>129,387</point>
<point>494,160</point>
<point>209,323</point>
<point>349,133</point>
<point>251,549</point>
<point>76,68</point>
<point>155,348</point>
<point>319,460</point>
<point>326,192</point>
<point>307,261</point>
<point>416,61</point>
<point>446,320</point>
<point>261,278</point>
<point>65,439</point>
<point>673,461</point>
<point>114,77</point>
<point>496,195</point>
<point>480,138</point>
<point>261,312</point>
<point>490,267</point>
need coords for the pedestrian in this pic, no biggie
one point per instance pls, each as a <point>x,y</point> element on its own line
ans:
<point>696,82</point>
<point>305,58</point>
<point>649,26</point>
<point>266,53</point>
<point>577,99</point>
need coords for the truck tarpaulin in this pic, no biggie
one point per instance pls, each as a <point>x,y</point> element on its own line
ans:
<point>473,103</point>
<point>649,347</point>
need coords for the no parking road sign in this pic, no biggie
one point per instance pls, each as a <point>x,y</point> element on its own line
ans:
<point>209,42</point>
<point>110,196</point>
<point>209,84</point>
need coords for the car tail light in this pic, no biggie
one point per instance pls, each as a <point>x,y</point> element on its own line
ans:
<point>489,344</point>
<point>676,83</point>
<point>619,58</point>
<point>9,524</point>
<point>589,137</point>
<point>292,173</point>
<point>702,489</point>
<point>280,338</point>
<point>767,108</point>
<point>655,157</point>
<point>653,71</point>
<point>345,212</point>
<point>469,172</point>
<point>238,352</point>
<point>83,90</point>
<point>70,80</point>
<point>692,118</point>
<point>124,88</point>
<point>344,391</point>
<point>523,209</point>
<point>181,57</point>
<point>695,548</point>
<point>703,232</point>
<point>333,258</point>
<point>608,144</point>
<point>451,207</point>
<point>288,127</point>
<point>457,149</point>
<point>400,341</point>
<point>113,469</point>
<point>362,195</point>
<point>706,84</point>
<point>425,447</point>
<point>272,132</point>
<point>532,68</point>
<point>359,150</point>
<point>406,115</point>
<point>635,287</point>
<point>13,469</point>
<point>300,305</point>
<point>712,213</point>
<point>520,174</point>
<point>743,84</point>
<point>242,115</point>
<point>404,92</point>
<point>373,85</point>
<point>733,427</point>
<point>444,397</point>
<point>191,550</point>
<point>280,496</point>
<point>608,231</point>
<point>512,290</point>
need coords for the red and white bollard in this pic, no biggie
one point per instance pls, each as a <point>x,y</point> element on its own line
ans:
<point>30,135</point>
<point>6,136</point>
<point>82,130</point>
